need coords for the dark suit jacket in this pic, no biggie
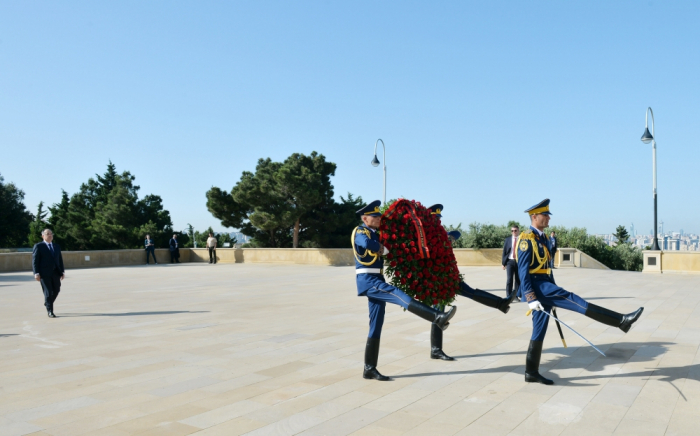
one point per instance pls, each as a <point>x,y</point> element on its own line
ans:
<point>45,264</point>
<point>554,245</point>
<point>507,248</point>
<point>174,245</point>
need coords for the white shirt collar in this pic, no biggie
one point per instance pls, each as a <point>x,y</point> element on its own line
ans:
<point>538,231</point>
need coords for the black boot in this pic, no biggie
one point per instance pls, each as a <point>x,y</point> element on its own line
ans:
<point>532,364</point>
<point>371,358</point>
<point>491,300</point>
<point>50,310</point>
<point>441,319</point>
<point>613,319</point>
<point>436,344</point>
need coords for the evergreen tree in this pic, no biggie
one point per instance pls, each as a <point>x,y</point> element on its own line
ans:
<point>14,216</point>
<point>286,204</point>
<point>38,225</point>
<point>106,213</point>
<point>622,235</point>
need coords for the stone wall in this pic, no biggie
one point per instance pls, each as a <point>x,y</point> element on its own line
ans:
<point>313,256</point>
<point>671,262</point>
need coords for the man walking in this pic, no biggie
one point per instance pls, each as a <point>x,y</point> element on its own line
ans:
<point>538,289</point>
<point>509,263</point>
<point>47,265</point>
<point>368,252</point>
<point>150,249</point>
<point>174,250</point>
<point>211,246</point>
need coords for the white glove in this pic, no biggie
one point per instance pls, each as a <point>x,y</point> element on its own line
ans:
<point>535,305</point>
<point>386,251</point>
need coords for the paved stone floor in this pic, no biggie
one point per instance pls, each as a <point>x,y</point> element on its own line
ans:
<point>278,349</point>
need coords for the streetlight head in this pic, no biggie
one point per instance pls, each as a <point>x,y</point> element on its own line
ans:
<point>375,161</point>
<point>646,137</point>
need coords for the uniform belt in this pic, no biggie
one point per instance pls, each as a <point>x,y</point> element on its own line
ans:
<point>541,271</point>
<point>368,271</point>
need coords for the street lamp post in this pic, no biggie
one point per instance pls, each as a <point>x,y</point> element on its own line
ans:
<point>647,138</point>
<point>375,162</point>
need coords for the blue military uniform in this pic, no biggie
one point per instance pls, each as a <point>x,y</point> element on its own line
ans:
<point>483,297</point>
<point>537,285</point>
<point>371,284</point>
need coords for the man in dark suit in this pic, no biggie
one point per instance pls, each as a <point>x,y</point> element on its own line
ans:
<point>509,263</point>
<point>553,239</point>
<point>47,264</point>
<point>174,250</point>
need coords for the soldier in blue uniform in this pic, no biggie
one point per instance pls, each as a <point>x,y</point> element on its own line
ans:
<point>368,253</point>
<point>538,289</point>
<point>483,297</point>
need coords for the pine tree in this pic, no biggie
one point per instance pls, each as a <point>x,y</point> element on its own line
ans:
<point>38,225</point>
<point>622,235</point>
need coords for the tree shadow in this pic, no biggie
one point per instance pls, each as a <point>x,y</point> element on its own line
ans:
<point>616,353</point>
<point>167,312</point>
<point>3,335</point>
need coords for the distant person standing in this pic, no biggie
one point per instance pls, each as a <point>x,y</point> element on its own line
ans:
<point>47,265</point>
<point>509,262</point>
<point>553,240</point>
<point>150,249</point>
<point>174,250</point>
<point>211,246</point>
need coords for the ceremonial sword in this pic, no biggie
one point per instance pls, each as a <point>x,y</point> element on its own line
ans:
<point>569,327</point>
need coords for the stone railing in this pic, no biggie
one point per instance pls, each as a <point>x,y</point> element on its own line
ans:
<point>566,257</point>
<point>671,262</point>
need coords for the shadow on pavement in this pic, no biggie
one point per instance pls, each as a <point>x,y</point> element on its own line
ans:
<point>167,312</point>
<point>617,353</point>
<point>2,335</point>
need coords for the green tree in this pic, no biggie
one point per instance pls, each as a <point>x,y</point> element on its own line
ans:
<point>106,213</point>
<point>622,235</point>
<point>14,216</point>
<point>38,225</point>
<point>285,203</point>
<point>305,183</point>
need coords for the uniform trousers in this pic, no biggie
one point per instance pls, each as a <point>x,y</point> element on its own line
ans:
<point>550,295</point>
<point>378,295</point>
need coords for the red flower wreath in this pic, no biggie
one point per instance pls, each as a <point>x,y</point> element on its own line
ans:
<point>420,260</point>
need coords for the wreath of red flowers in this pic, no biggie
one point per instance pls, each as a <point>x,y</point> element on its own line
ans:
<point>420,261</point>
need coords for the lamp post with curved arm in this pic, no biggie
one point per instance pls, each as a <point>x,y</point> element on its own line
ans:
<point>375,162</point>
<point>647,138</point>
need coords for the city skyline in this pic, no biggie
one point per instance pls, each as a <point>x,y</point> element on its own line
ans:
<point>485,108</point>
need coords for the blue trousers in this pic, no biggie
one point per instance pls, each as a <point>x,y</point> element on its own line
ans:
<point>151,251</point>
<point>550,295</point>
<point>377,296</point>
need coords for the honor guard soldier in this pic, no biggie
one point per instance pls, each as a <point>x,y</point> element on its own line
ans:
<point>465,290</point>
<point>538,289</point>
<point>368,253</point>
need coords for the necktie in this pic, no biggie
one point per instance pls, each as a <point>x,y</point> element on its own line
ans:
<point>51,247</point>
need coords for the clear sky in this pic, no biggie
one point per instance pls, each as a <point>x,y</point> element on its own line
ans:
<point>486,107</point>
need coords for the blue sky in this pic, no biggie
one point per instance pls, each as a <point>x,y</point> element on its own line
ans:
<point>486,107</point>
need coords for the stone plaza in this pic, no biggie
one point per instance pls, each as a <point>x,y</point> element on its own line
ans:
<point>277,349</point>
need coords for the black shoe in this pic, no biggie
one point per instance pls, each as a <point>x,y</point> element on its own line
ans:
<point>532,364</point>
<point>371,358</point>
<point>441,319</point>
<point>612,318</point>
<point>371,373</point>
<point>436,344</point>
<point>491,300</point>
<point>51,315</point>
<point>537,378</point>
<point>630,318</point>
<point>156,263</point>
